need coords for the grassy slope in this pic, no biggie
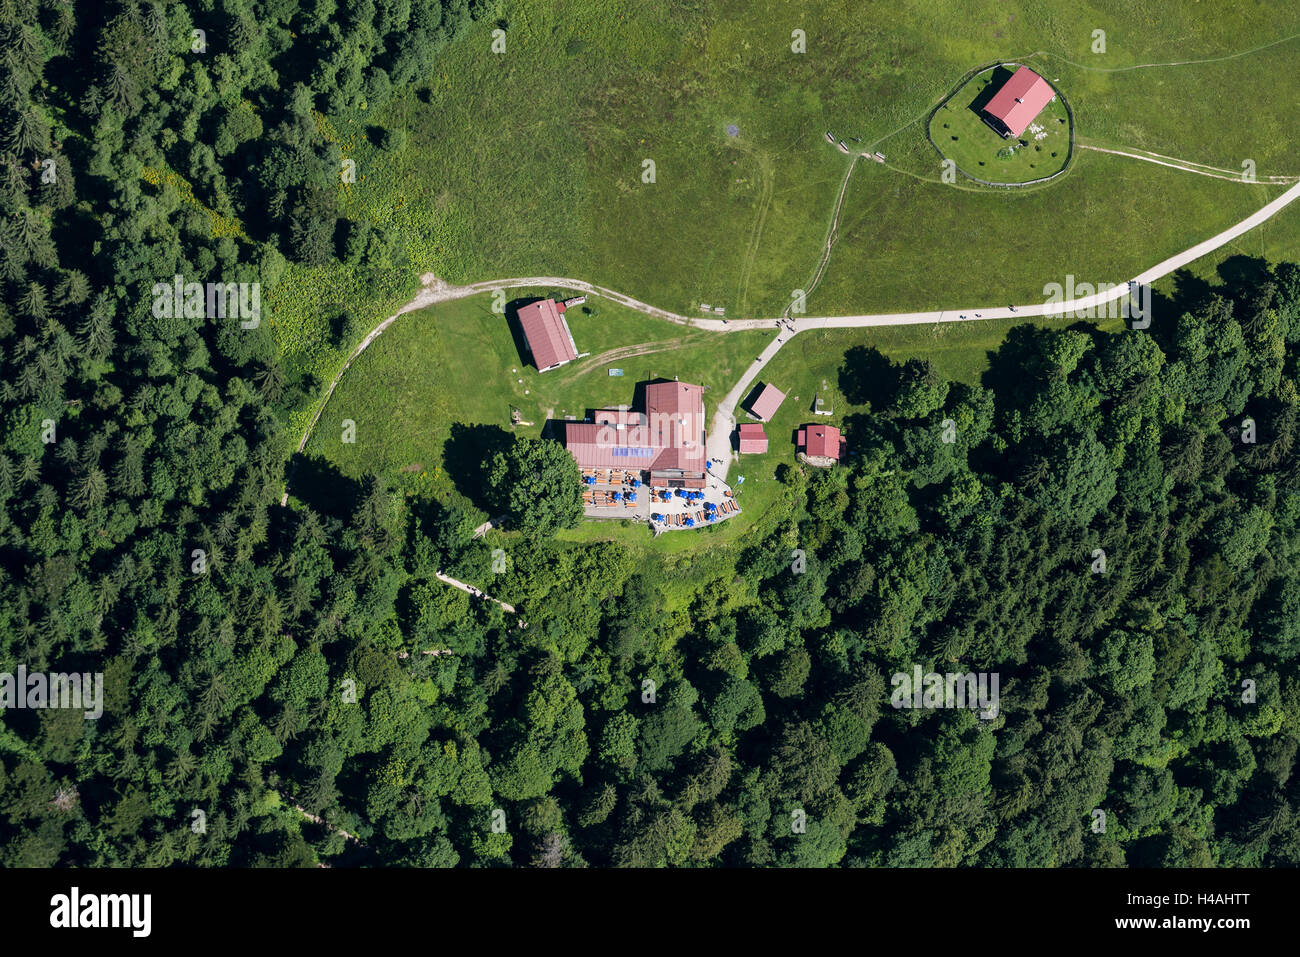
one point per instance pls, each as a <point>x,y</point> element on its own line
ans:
<point>531,163</point>
<point>968,248</point>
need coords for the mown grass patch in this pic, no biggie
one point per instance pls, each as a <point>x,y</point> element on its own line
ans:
<point>959,132</point>
<point>907,243</point>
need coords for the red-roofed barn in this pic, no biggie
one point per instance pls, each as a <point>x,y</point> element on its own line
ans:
<point>768,401</point>
<point>1019,101</point>
<point>753,440</point>
<point>549,339</point>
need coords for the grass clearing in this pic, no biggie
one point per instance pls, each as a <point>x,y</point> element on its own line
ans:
<point>533,163</point>
<point>459,364</point>
<point>553,184</point>
<point>905,242</point>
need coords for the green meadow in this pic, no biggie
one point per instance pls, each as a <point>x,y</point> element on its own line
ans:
<point>532,161</point>
<point>679,154</point>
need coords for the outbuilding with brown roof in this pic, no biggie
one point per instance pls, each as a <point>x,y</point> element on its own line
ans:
<point>752,439</point>
<point>822,444</point>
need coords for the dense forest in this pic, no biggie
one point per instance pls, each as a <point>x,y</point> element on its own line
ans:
<point>1111,524</point>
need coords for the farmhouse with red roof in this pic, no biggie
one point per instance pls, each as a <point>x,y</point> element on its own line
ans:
<point>1018,103</point>
<point>665,442</point>
<point>548,336</point>
<point>820,445</point>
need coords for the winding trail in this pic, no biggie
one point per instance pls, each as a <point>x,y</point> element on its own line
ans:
<point>1152,66</point>
<point>832,235</point>
<point>719,444</point>
<point>471,590</point>
<point>1190,166</point>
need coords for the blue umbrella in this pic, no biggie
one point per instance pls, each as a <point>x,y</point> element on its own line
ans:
<point>616,496</point>
<point>631,496</point>
<point>636,483</point>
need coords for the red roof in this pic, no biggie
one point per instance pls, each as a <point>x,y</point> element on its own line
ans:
<point>669,435</point>
<point>753,441</point>
<point>676,413</point>
<point>768,402</point>
<point>821,440</point>
<point>547,333</point>
<point>1020,100</point>
<point>603,446</point>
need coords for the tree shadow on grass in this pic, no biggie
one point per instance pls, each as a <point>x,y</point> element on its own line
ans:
<point>1244,272</point>
<point>867,377</point>
<point>319,484</point>
<point>1245,281</point>
<point>467,455</point>
<point>1190,293</point>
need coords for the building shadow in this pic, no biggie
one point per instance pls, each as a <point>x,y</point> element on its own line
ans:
<point>748,403</point>
<point>517,330</point>
<point>1000,76</point>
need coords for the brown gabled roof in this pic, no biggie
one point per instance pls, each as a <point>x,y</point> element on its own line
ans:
<point>1020,100</point>
<point>600,446</point>
<point>822,440</point>
<point>768,402</point>
<point>675,411</point>
<point>549,339</point>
